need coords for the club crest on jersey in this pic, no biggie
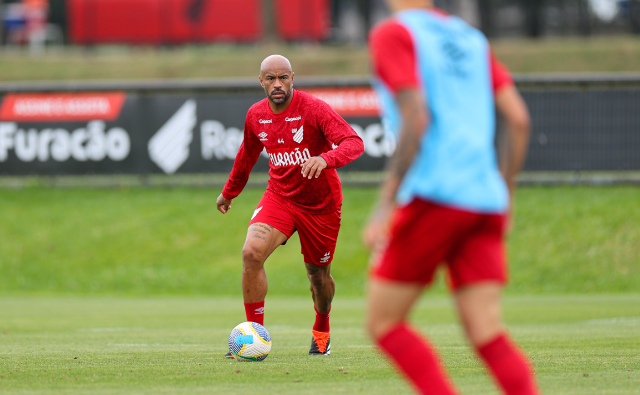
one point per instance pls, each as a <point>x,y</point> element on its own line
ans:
<point>297,134</point>
<point>283,157</point>
<point>263,136</point>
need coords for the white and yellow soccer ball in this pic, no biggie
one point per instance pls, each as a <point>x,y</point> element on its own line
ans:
<point>250,341</point>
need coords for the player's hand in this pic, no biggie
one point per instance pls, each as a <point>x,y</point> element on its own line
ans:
<point>223,204</point>
<point>313,166</point>
<point>376,231</point>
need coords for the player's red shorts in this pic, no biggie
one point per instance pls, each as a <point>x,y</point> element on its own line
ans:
<point>318,232</point>
<point>424,235</point>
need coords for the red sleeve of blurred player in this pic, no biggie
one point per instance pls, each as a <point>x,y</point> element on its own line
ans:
<point>246,158</point>
<point>394,57</point>
<point>500,75</point>
<point>340,133</point>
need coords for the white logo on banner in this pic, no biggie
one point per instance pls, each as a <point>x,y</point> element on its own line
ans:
<point>218,141</point>
<point>90,143</point>
<point>378,142</point>
<point>169,147</point>
<point>298,134</point>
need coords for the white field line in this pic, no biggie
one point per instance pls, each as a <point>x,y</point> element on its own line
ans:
<point>111,329</point>
<point>155,345</point>
<point>614,321</point>
<point>374,346</point>
<point>276,347</point>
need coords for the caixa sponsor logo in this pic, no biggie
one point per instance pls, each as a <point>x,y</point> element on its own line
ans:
<point>91,143</point>
<point>286,158</point>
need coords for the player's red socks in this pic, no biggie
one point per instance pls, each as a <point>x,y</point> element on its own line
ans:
<point>417,360</point>
<point>255,312</point>
<point>322,321</point>
<point>508,366</point>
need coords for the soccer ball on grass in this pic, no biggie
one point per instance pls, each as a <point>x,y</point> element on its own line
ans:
<point>249,341</point>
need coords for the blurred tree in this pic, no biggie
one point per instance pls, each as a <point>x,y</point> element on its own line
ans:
<point>335,15</point>
<point>364,9</point>
<point>534,19</point>
<point>58,15</point>
<point>486,17</point>
<point>1,23</point>
<point>634,15</point>
<point>269,21</point>
<point>584,18</point>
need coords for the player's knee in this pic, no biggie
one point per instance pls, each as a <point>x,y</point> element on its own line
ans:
<point>252,256</point>
<point>483,333</point>
<point>378,326</point>
<point>319,278</point>
<point>372,328</point>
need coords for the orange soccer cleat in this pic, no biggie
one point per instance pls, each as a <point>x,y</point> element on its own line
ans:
<point>320,343</point>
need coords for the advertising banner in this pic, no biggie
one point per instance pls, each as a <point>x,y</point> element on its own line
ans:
<point>163,133</point>
<point>124,133</point>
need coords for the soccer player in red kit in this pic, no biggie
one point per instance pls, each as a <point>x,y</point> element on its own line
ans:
<point>445,199</point>
<point>304,193</point>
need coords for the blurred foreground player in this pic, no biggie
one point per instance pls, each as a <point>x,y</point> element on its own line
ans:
<point>439,86</point>
<point>304,192</point>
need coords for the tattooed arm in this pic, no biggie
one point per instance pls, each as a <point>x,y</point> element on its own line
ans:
<point>415,119</point>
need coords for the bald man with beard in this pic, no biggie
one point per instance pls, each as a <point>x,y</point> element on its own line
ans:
<point>304,193</point>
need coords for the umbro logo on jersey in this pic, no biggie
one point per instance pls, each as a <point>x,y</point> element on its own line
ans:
<point>280,141</point>
<point>297,137</point>
<point>325,258</point>
<point>266,121</point>
<point>263,136</point>
<point>299,117</point>
<point>256,211</point>
<point>259,310</point>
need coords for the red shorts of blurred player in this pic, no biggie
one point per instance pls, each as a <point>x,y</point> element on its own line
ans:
<point>318,232</point>
<point>423,235</point>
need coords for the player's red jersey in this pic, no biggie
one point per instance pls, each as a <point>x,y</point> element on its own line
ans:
<point>308,127</point>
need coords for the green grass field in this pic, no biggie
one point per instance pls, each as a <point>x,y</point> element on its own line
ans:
<point>173,241</point>
<point>135,291</point>
<point>174,345</point>
<point>566,54</point>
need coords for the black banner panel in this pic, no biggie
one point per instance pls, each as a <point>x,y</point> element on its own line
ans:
<point>54,134</point>
<point>163,133</point>
<point>580,129</point>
